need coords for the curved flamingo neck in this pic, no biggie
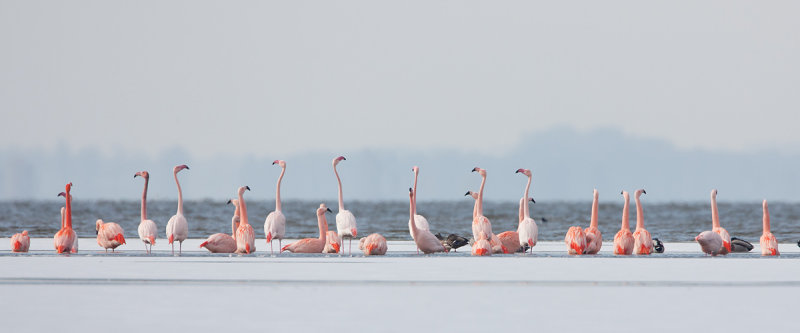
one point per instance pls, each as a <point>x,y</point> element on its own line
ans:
<point>412,211</point>
<point>180,193</point>
<point>341,203</point>
<point>278,191</point>
<point>144,200</point>
<point>521,202</point>
<point>714,212</point>
<point>593,224</point>
<point>234,226</point>
<point>525,208</point>
<point>479,203</point>
<point>766,218</point>
<point>639,214</point>
<point>625,224</point>
<point>62,217</point>
<point>68,213</point>
<point>242,209</point>
<point>323,225</point>
<point>416,175</point>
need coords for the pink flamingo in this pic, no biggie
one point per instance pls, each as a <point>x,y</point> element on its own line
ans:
<point>497,245</point>
<point>769,244</point>
<point>726,238</point>
<point>345,220</point>
<point>527,230</point>
<point>312,245</point>
<point>332,242</point>
<point>224,243</point>
<point>575,240</point>
<point>65,238</point>
<point>374,244</point>
<point>63,220</point>
<point>481,222</point>
<point>177,226</point>
<point>594,238</point>
<point>510,240</point>
<point>109,235</point>
<point>148,231</point>
<point>245,235</point>
<point>275,224</point>
<point>20,242</point>
<point>425,240</point>
<point>642,242</point>
<point>623,240</point>
<point>481,247</point>
<point>421,221</point>
<point>710,242</point>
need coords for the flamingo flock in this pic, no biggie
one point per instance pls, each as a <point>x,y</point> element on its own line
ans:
<point>578,240</point>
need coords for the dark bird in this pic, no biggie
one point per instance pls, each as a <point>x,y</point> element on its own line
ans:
<point>658,246</point>
<point>740,245</point>
<point>452,242</point>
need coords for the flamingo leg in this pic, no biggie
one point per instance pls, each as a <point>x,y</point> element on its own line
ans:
<point>270,249</point>
<point>180,248</point>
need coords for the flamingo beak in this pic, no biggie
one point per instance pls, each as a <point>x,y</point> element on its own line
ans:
<point>62,194</point>
<point>534,201</point>
<point>229,202</point>
<point>474,169</point>
<point>329,210</point>
<point>247,187</point>
<point>466,194</point>
<point>644,192</point>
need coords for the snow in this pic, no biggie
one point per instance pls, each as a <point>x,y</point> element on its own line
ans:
<point>401,292</point>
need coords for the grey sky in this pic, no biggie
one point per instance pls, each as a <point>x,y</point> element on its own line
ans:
<point>278,77</point>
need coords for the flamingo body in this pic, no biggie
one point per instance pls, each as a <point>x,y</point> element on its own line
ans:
<point>510,240</point>
<point>109,235</point>
<point>275,227</point>
<point>220,243</point>
<point>594,238</point>
<point>715,225</point>
<point>481,247</point>
<point>575,240</point>
<point>642,242</point>
<point>332,242</point>
<point>20,242</point>
<point>374,244</point>
<point>710,242</point>
<point>768,242</point>
<point>623,240</point>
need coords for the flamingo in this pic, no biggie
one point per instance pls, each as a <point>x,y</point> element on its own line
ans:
<point>20,242</point>
<point>642,242</point>
<point>345,220</point>
<point>177,226</point>
<point>481,247</point>
<point>594,238</point>
<point>421,221</point>
<point>726,238</point>
<point>510,240</point>
<point>425,240</point>
<point>312,245</point>
<point>623,240</point>
<point>481,222</point>
<point>710,242</point>
<point>224,243</point>
<point>63,220</point>
<point>575,240</point>
<point>109,235</point>
<point>148,231</point>
<point>527,230</point>
<point>245,235</point>
<point>275,224</point>
<point>65,238</point>
<point>497,247</point>
<point>332,242</point>
<point>769,244</point>
<point>374,244</point>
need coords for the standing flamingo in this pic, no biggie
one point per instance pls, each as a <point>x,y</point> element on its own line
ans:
<point>109,235</point>
<point>594,238</point>
<point>332,242</point>
<point>20,242</point>
<point>148,231</point>
<point>710,242</point>
<point>312,245</point>
<point>63,220</point>
<point>425,240</point>
<point>498,246</point>
<point>245,235</point>
<point>769,244</point>
<point>642,242</point>
<point>575,240</point>
<point>224,243</point>
<point>527,229</point>
<point>726,238</point>
<point>345,220</point>
<point>481,222</point>
<point>275,224</point>
<point>421,221</point>
<point>373,245</point>
<point>177,226</point>
<point>65,238</point>
<point>623,240</point>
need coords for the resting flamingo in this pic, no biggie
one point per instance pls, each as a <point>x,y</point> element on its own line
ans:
<point>373,245</point>
<point>527,230</point>
<point>20,242</point>
<point>642,242</point>
<point>148,231</point>
<point>425,240</point>
<point>481,222</point>
<point>332,242</point>
<point>623,240</point>
<point>481,247</point>
<point>710,242</point>
<point>345,220</point>
<point>726,238</point>
<point>177,226</point>
<point>65,238</point>
<point>769,244</point>
<point>575,240</point>
<point>109,235</point>
<point>312,245</point>
<point>421,221</point>
<point>221,242</point>
<point>594,238</point>
<point>275,224</point>
<point>245,235</point>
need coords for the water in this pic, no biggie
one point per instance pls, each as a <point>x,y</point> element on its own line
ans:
<point>670,222</point>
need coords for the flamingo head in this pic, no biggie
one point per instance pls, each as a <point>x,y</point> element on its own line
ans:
<point>338,159</point>
<point>415,169</point>
<point>243,188</point>
<point>322,209</point>
<point>639,192</point>
<point>178,168</point>
<point>97,225</point>
<point>524,172</point>
<point>24,232</point>
<point>480,171</point>
<point>714,193</point>
<point>625,195</point>
<point>361,243</point>
<point>235,202</point>
<point>143,174</point>
<point>280,163</point>
<point>534,201</point>
<point>68,187</point>
<point>62,194</point>
<point>596,194</point>
<point>474,195</point>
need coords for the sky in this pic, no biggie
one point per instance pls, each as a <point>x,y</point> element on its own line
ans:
<point>275,78</point>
